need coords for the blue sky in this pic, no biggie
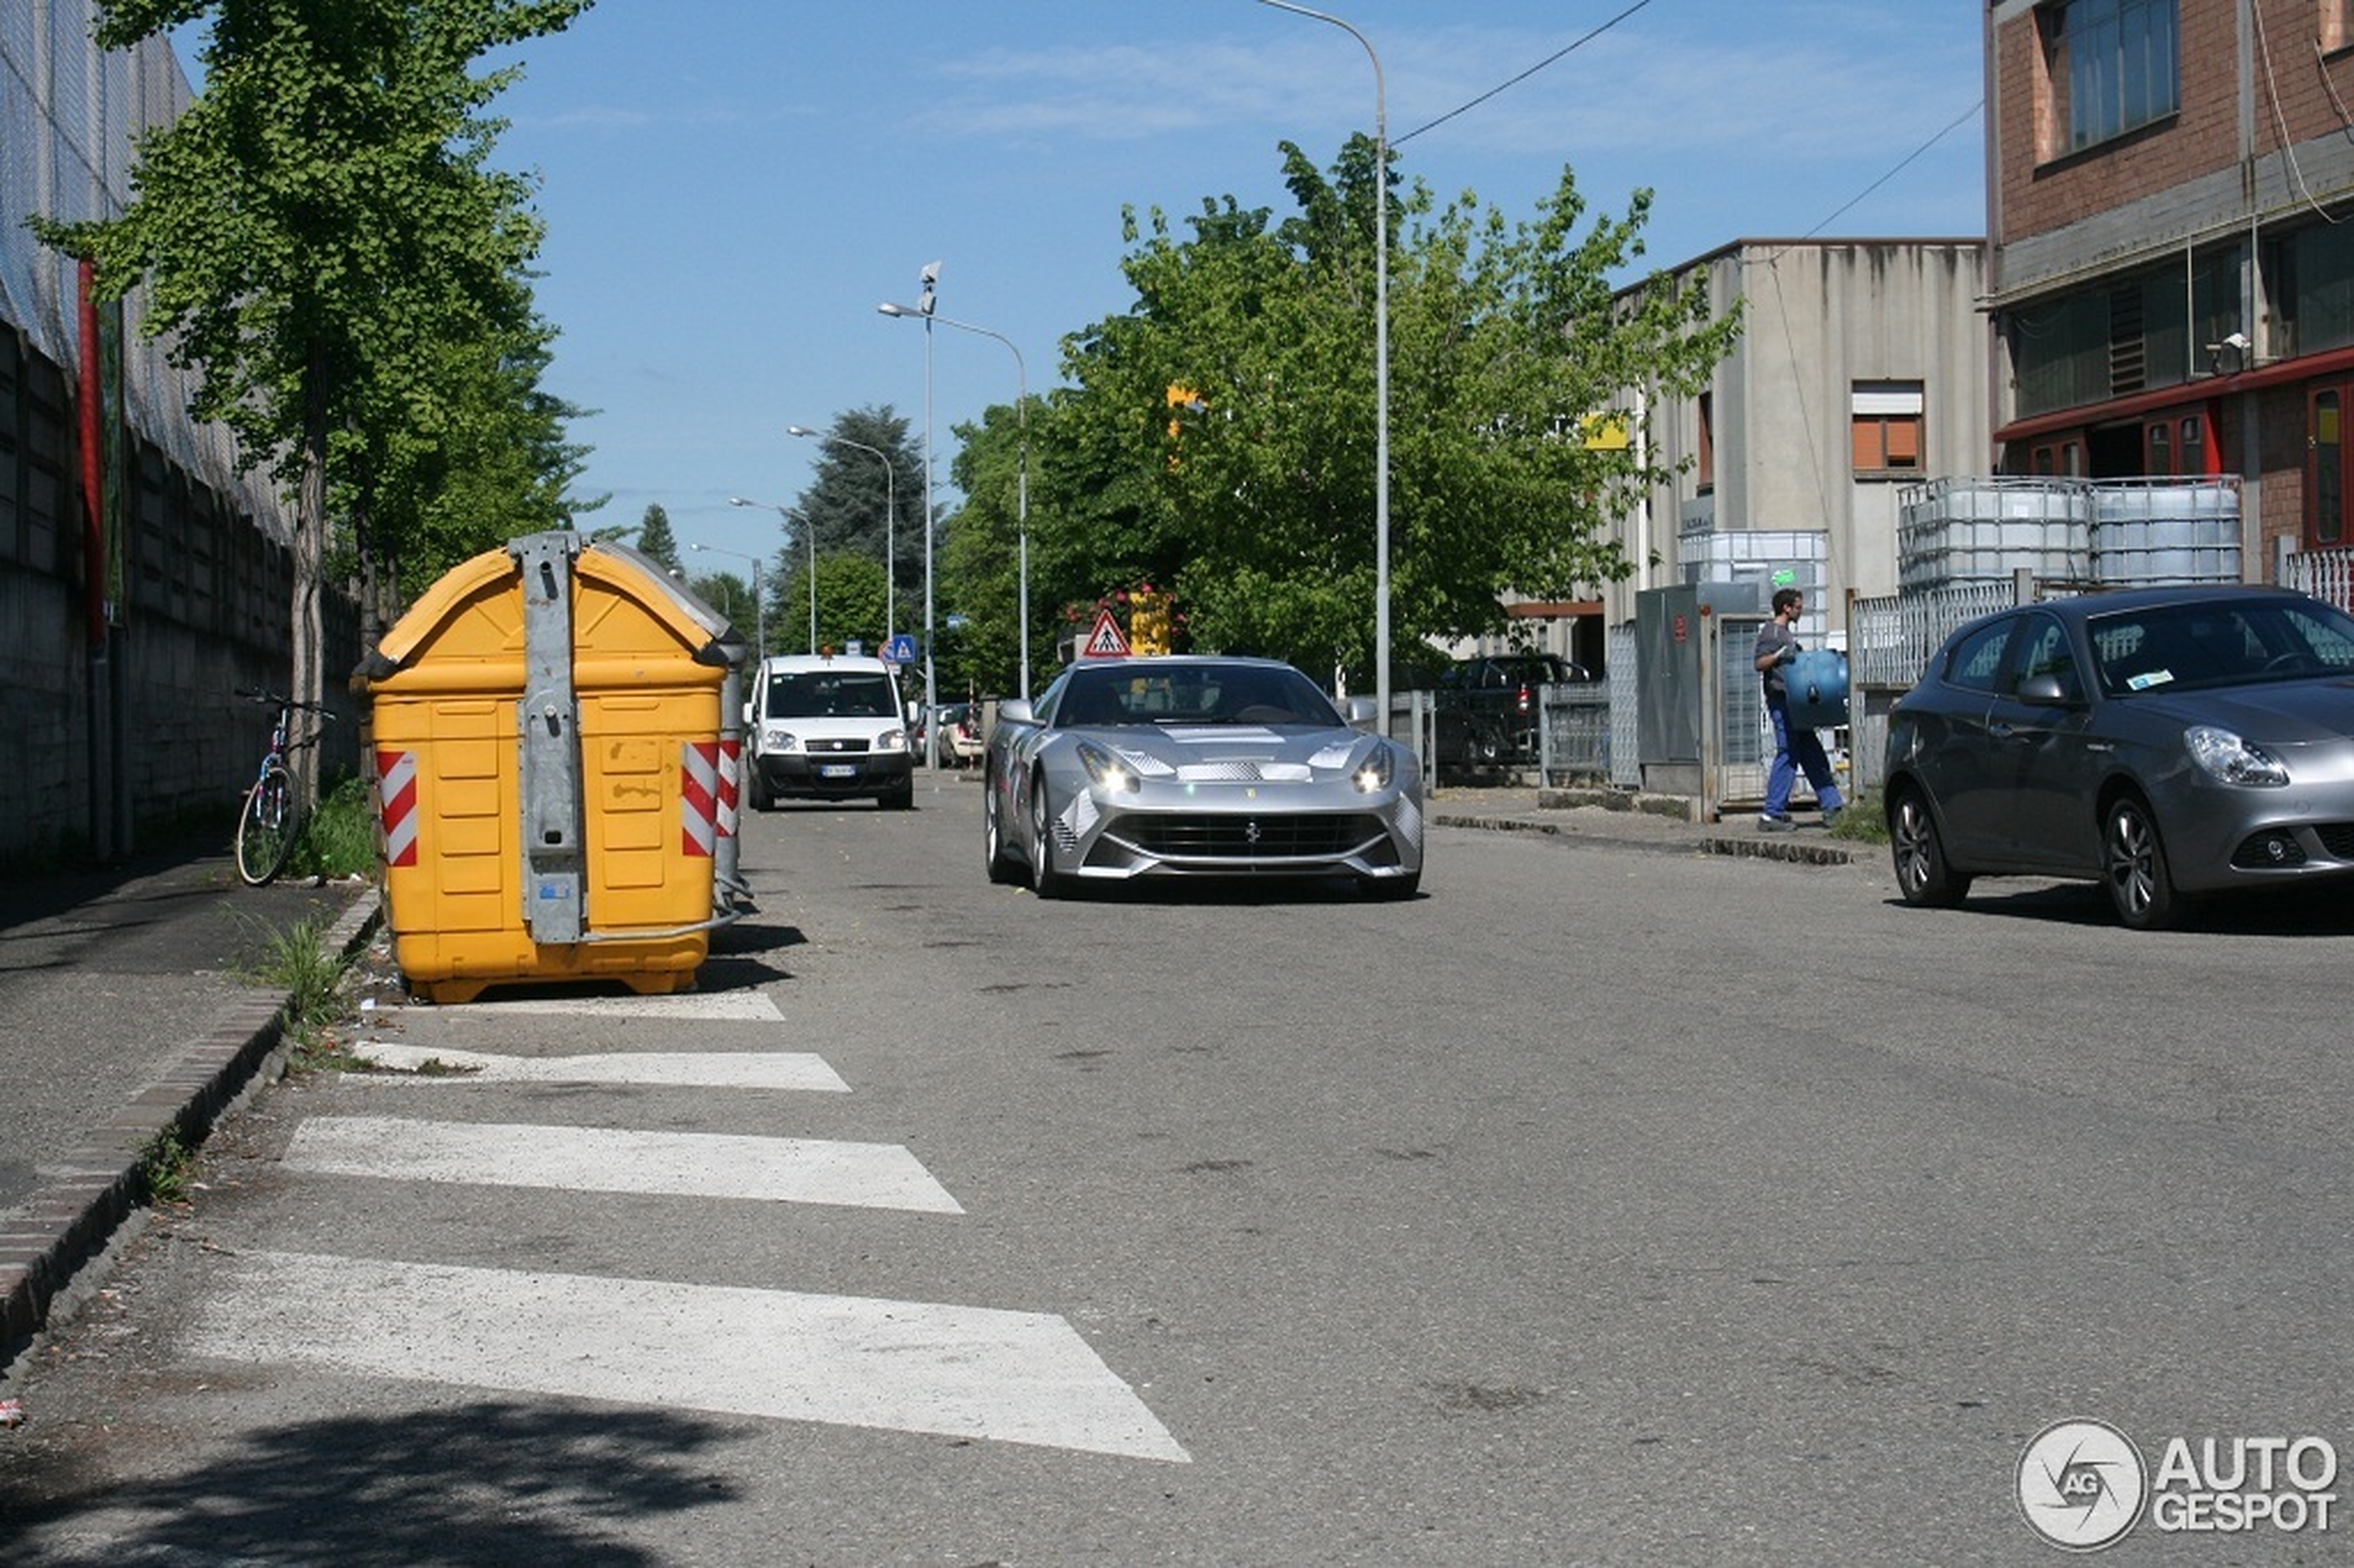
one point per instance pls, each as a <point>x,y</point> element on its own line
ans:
<point>731,186</point>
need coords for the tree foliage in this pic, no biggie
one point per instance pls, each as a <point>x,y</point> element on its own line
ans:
<point>1219,436</point>
<point>657,542</point>
<point>323,239</point>
<point>868,504</point>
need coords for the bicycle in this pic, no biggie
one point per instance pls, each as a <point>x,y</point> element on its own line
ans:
<point>270,821</point>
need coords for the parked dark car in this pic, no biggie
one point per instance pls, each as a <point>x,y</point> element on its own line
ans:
<point>2170,742</point>
<point>1487,708</point>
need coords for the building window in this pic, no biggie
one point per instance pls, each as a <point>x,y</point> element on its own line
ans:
<point>1884,427</point>
<point>2338,23</point>
<point>2326,481</point>
<point>2117,63</point>
<point>1705,457</point>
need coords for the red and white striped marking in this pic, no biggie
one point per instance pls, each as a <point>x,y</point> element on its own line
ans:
<point>731,773</point>
<point>397,805</point>
<point>700,786</point>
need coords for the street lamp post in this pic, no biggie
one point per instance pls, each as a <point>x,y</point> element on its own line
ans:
<point>759,600</point>
<point>1021,490</point>
<point>931,278</point>
<point>808,533</point>
<point>1381,354</point>
<point>891,522</point>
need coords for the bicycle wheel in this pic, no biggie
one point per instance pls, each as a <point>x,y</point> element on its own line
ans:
<point>268,826</point>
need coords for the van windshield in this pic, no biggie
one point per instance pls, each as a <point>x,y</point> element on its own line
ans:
<point>829,694</point>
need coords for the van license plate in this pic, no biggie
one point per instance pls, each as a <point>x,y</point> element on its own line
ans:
<point>837,770</point>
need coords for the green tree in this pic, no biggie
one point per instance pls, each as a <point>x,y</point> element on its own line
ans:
<point>320,225</point>
<point>1220,438</point>
<point>868,495</point>
<point>657,542</point>
<point>850,605</point>
<point>731,596</point>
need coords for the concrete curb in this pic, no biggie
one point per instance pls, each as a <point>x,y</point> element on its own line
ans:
<point>73,1219</point>
<point>1703,841</point>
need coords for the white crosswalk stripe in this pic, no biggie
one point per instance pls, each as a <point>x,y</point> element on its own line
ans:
<point>715,1005</point>
<point>610,1160</point>
<point>797,1070</point>
<point>965,1372</point>
<point>914,1366</point>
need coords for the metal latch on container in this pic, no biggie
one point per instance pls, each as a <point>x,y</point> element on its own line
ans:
<point>548,740</point>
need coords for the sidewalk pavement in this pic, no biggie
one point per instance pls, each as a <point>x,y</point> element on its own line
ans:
<point>128,1009</point>
<point>1616,816</point>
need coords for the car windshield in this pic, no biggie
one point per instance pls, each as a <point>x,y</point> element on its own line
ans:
<point>2192,647</point>
<point>828,694</point>
<point>1194,694</point>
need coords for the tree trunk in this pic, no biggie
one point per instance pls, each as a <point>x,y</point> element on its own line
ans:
<point>309,553</point>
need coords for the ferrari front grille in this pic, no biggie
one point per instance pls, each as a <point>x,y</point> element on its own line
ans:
<point>1269,836</point>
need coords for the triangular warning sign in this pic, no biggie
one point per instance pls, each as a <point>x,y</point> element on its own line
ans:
<point>1107,642</point>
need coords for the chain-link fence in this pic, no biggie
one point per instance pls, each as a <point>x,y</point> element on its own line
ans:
<point>71,115</point>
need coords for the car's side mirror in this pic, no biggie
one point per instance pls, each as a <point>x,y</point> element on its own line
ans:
<point>2043,691</point>
<point>1362,711</point>
<point>1014,710</point>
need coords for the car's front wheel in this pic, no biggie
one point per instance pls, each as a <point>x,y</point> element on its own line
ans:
<point>1923,873</point>
<point>1043,878</point>
<point>2133,868</point>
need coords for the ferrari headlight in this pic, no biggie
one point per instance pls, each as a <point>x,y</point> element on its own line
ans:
<point>2230,759</point>
<point>1373,775</point>
<point>779,740</point>
<point>1107,770</point>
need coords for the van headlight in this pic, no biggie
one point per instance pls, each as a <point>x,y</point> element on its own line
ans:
<point>779,740</point>
<point>891,740</point>
<point>2230,759</point>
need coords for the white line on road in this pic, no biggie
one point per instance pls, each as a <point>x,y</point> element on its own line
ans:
<point>800,1070</point>
<point>734,1004</point>
<point>963,1372</point>
<point>616,1160</point>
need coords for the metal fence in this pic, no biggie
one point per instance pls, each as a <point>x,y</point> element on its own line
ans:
<point>2327,574</point>
<point>1574,733</point>
<point>70,114</point>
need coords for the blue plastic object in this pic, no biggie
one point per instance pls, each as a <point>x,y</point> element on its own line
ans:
<point>1817,685</point>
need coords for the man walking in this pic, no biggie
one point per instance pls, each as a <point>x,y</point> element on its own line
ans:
<point>1776,646</point>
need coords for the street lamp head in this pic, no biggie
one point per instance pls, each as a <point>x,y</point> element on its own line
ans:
<point>741,500</point>
<point>888,309</point>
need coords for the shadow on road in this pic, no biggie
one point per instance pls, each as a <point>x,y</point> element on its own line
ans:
<point>483,1482</point>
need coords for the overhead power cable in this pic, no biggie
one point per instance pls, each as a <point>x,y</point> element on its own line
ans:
<point>1540,65</point>
<point>1960,119</point>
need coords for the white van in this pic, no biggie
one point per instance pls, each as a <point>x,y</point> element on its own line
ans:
<point>828,726</point>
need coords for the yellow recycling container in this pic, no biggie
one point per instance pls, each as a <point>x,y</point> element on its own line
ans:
<point>555,775</point>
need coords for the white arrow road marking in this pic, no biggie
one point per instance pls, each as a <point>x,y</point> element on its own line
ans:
<point>962,1371</point>
<point>734,1004</point>
<point>610,1160</point>
<point>690,1069</point>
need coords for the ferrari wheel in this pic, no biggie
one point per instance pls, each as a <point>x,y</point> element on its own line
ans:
<point>1002,868</point>
<point>1043,878</point>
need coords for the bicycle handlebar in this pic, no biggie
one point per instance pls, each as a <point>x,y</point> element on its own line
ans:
<point>256,694</point>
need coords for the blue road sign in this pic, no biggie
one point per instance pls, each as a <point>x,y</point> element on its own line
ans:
<point>902,648</point>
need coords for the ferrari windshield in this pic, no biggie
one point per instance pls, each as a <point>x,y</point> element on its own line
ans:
<point>1193,693</point>
<point>2188,647</point>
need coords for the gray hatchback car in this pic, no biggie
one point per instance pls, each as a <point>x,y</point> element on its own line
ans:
<point>2170,742</point>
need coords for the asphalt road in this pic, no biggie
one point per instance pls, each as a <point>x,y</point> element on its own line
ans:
<point>1603,1204</point>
